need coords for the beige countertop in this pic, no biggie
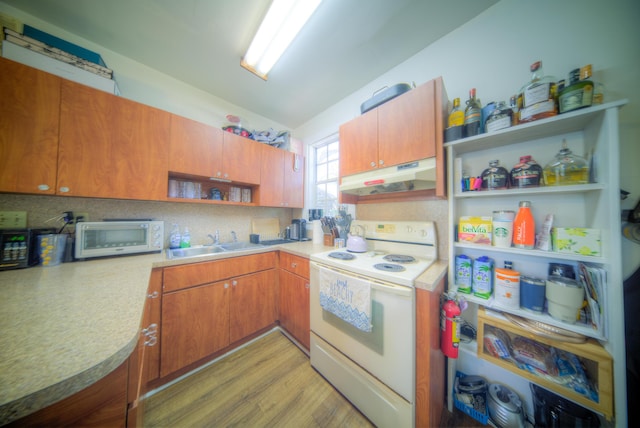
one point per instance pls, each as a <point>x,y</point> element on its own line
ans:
<point>67,326</point>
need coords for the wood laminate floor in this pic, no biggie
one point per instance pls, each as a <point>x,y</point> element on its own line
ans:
<point>268,383</point>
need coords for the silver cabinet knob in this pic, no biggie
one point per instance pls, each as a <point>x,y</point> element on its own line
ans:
<point>43,187</point>
<point>153,295</point>
<point>373,164</point>
<point>64,189</point>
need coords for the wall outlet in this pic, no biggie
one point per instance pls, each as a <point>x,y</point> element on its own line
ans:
<point>85,216</point>
<point>9,219</point>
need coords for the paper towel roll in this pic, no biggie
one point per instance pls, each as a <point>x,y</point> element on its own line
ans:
<point>317,232</point>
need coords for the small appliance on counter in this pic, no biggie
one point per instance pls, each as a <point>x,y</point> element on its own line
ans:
<point>298,230</point>
<point>117,238</point>
<point>18,247</point>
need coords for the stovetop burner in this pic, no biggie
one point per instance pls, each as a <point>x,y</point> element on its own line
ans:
<point>341,255</point>
<point>399,258</point>
<point>389,267</point>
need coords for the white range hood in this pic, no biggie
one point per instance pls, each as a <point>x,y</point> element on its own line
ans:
<point>418,175</point>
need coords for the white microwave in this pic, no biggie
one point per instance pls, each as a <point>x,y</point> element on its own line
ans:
<point>116,238</point>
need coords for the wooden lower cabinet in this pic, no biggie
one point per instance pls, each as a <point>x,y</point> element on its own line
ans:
<point>195,324</point>
<point>294,297</point>
<point>103,404</point>
<point>430,361</point>
<point>207,307</point>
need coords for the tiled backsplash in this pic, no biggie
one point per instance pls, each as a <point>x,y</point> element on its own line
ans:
<point>201,219</point>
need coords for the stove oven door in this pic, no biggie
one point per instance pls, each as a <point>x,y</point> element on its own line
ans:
<point>383,376</point>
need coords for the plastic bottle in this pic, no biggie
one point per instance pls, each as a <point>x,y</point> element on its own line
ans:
<point>185,240</point>
<point>524,227</point>
<point>174,237</point>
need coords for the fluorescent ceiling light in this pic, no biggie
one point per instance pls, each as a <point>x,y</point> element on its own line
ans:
<point>280,26</point>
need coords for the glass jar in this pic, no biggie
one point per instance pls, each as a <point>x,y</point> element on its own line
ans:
<point>526,173</point>
<point>537,98</point>
<point>495,177</point>
<point>566,168</point>
<point>499,118</point>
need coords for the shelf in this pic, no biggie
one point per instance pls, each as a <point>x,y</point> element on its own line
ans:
<point>560,124</point>
<point>532,253</point>
<point>532,191</point>
<point>597,363</point>
<point>543,317</point>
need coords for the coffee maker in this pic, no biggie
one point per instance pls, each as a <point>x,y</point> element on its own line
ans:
<point>298,229</point>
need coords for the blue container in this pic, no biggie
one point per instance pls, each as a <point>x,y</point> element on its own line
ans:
<point>532,291</point>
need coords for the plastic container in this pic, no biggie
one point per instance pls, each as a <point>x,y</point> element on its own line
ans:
<point>506,284</point>
<point>51,249</point>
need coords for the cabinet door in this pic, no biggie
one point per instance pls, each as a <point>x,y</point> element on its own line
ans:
<point>294,306</point>
<point>29,119</point>
<point>152,323</point>
<point>195,324</point>
<point>253,304</point>
<point>359,144</point>
<point>293,189</point>
<point>195,148</point>
<point>111,147</point>
<point>406,127</point>
<point>272,177</point>
<point>242,158</point>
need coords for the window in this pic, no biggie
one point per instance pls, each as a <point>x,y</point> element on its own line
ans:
<point>325,175</point>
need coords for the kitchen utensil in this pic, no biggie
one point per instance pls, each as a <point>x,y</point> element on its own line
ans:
<point>505,407</point>
<point>357,243</point>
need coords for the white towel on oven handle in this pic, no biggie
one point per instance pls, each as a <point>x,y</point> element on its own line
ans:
<point>347,297</point>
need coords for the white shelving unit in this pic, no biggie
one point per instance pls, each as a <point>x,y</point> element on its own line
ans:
<point>591,133</point>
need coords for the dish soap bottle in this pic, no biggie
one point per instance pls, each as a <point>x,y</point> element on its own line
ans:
<point>566,168</point>
<point>174,237</point>
<point>185,241</point>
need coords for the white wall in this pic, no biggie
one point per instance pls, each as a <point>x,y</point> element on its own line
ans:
<point>493,52</point>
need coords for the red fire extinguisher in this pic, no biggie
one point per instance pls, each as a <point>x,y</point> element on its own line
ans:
<point>450,326</point>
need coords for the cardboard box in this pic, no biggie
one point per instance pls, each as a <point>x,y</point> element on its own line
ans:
<point>576,240</point>
<point>474,230</point>
<point>50,65</point>
<point>59,43</point>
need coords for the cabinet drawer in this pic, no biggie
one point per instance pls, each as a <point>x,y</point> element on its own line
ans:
<point>178,277</point>
<point>294,264</point>
<point>597,362</point>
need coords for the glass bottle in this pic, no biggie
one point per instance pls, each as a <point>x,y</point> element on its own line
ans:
<point>524,227</point>
<point>456,117</point>
<point>579,93</point>
<point>174,237</point>
<point>472,115</point>
<point>499,118</point>
<point>537,98</point>
<point>566,168</point>
<point>495,177</point>
<point>526,173</point>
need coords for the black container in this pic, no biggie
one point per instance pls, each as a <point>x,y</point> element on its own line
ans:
<point>553,411</point>
<point>383,95</point>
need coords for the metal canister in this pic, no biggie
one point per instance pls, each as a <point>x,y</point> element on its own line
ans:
<point>532,293</point>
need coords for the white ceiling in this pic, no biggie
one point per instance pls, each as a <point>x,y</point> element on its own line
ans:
<point>345,45</point>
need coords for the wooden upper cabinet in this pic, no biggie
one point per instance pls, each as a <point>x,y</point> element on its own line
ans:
<point>195,148</point>
<point>111,147</point>
<point>271,177</point>
<point>399,131</point>
<point>293,189</point>
<point>281,178</point>
<point>359,144</point>
<point>29,118</point>
<point>406,127</point>
<point>242,158</point>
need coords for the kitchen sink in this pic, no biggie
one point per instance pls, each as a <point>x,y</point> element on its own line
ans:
<point>181,253</point>
<point>235,246</point>
<point>205,250</point>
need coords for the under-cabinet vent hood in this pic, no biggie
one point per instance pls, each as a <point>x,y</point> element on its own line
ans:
<point>418,175</point>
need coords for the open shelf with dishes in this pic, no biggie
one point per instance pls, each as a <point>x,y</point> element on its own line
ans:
<point>593,134</point>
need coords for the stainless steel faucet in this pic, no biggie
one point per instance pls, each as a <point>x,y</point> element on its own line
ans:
<point>234,237</point>
<point>216,238</point>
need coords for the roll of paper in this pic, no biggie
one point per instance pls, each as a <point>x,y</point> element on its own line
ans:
<point>317,232</point>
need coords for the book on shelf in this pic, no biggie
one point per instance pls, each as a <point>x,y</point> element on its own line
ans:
<point>58,54</point>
